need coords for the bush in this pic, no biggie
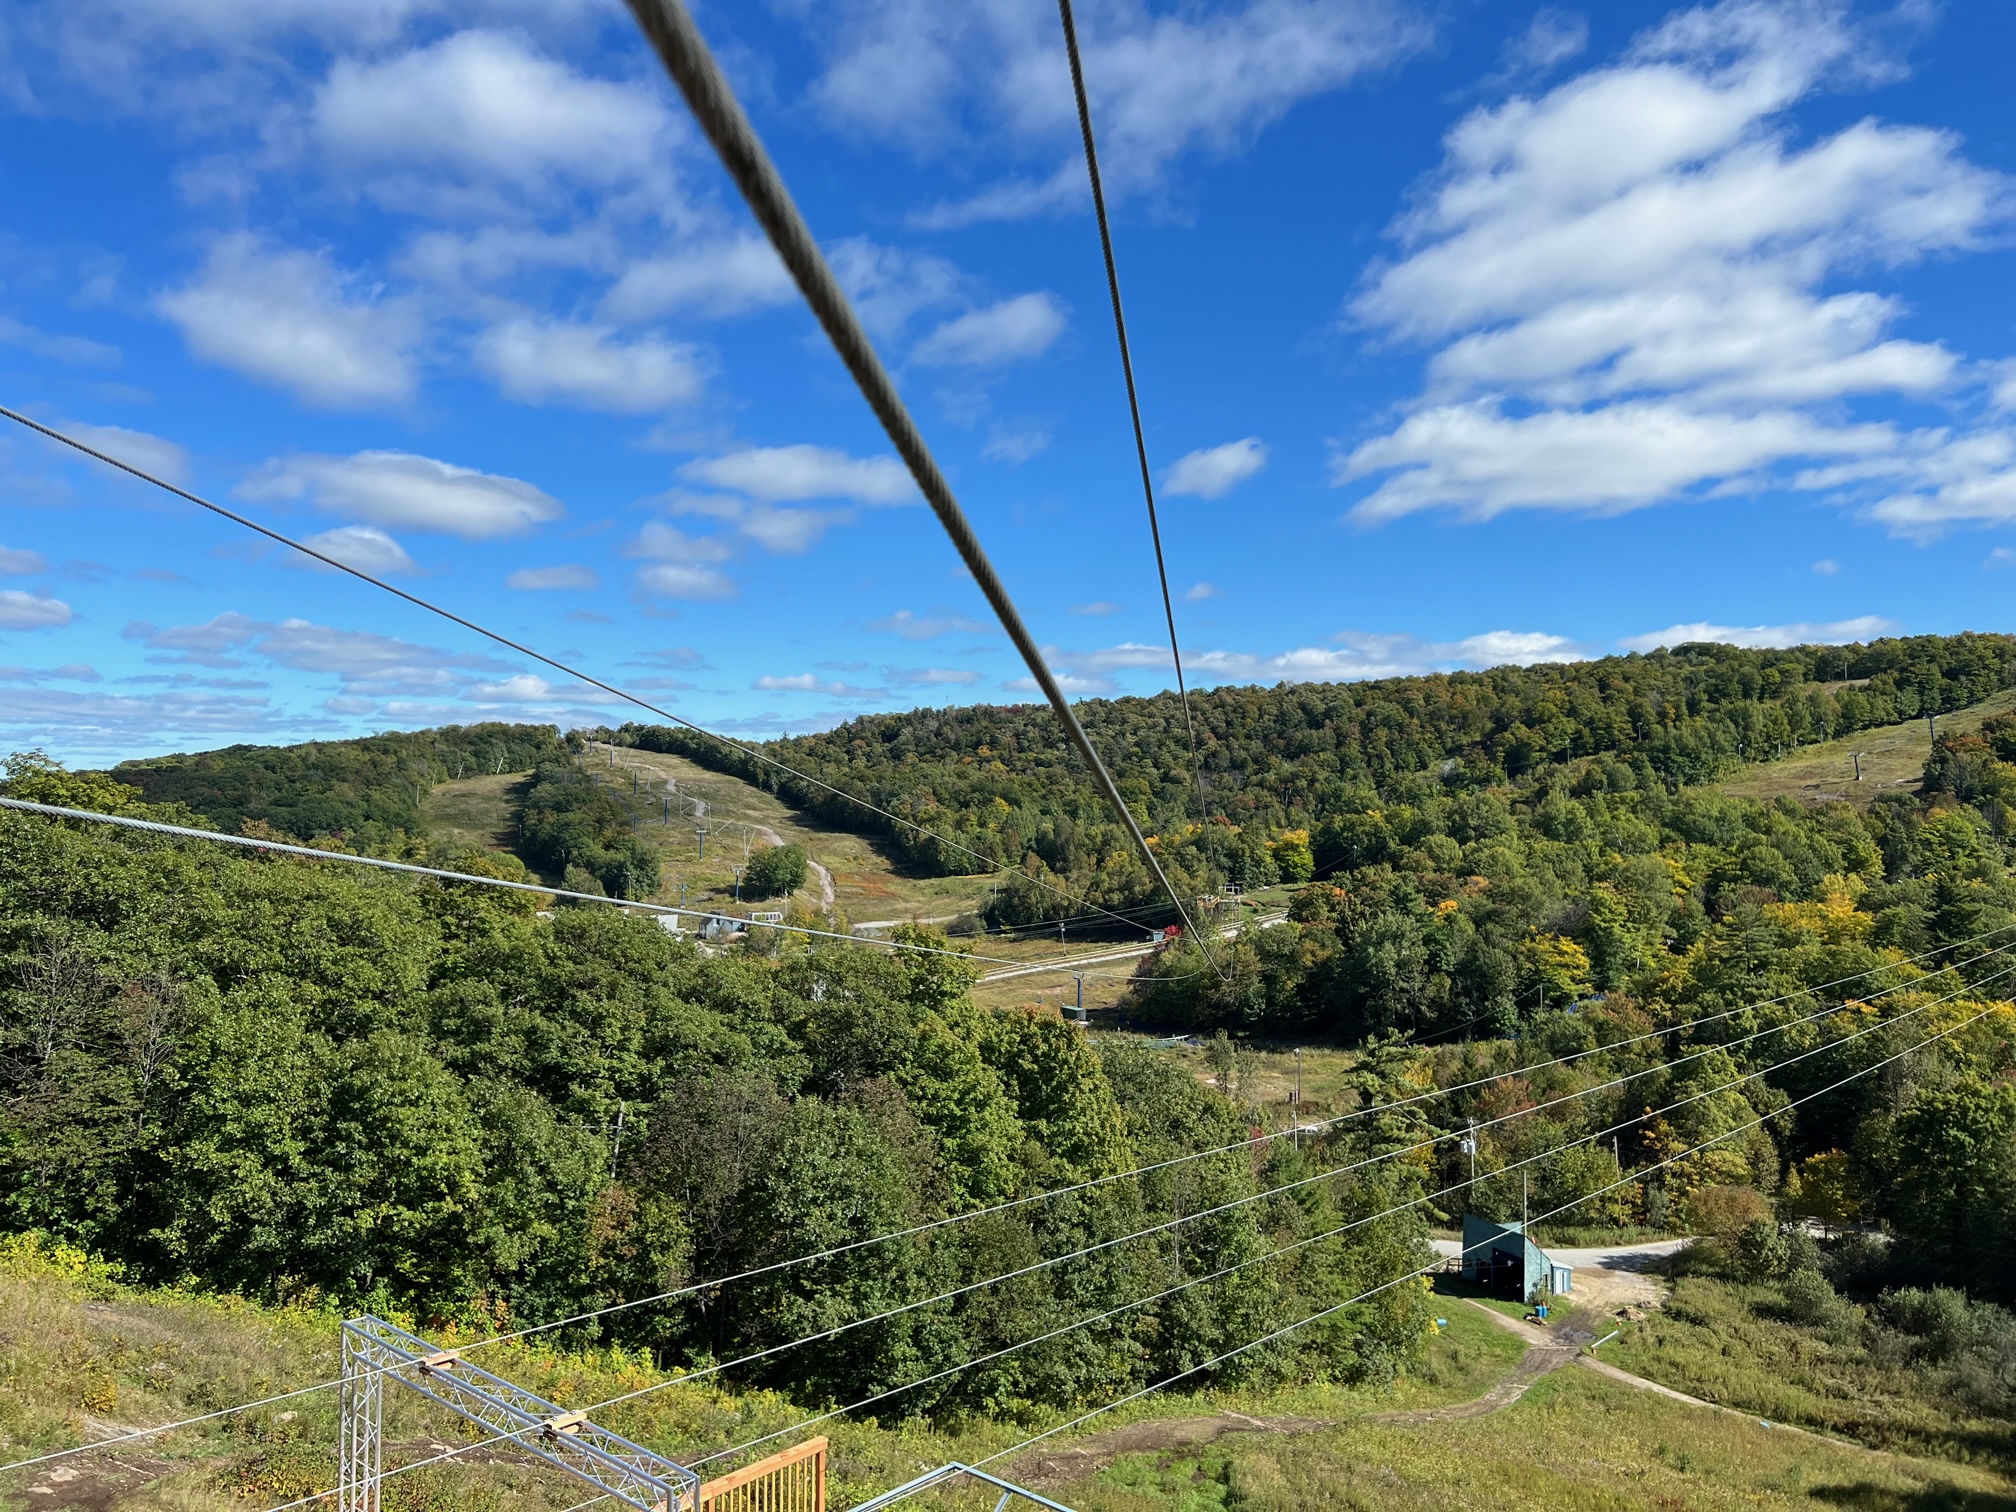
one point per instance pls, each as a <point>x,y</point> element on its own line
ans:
<point>1725,1211</point>
<point>1764,1250</point>
<point>775,871</point>
<point>1811,1299</point>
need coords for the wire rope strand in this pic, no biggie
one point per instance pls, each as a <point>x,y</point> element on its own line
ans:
<point>1127,371</point>
<point>1299,1244</point>
<point>51,433</point>
<point>1081,1186</point>
<point>712,1370</point>
<point>1622,1181</point>
<point>684,52</point>
<point>140,1433</point>
<point>1281,1333</point>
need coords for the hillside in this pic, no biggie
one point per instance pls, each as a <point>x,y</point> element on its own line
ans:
<point>76,1335</point>
<point>1001,781</point>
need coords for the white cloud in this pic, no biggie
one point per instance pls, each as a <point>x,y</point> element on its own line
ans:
<point>1164,83</point>
<point>543,361</point>
<point>1356,656</point>
<point>891,286</point>
<point>1027,325</point>
<point>481,120</point>
<point>775,474</point>
<point>721,278</point>
<point>15,562</point>
<point>679,566</point>
<point>364,663</point>
<point>1552,38</point>
<point>1070,682</point>
<point>807,682</point>
<point>1765,637</point>
<point>1097,609</point>
<point>913,677</point>
<point>526,688</point>
<point>544,579</point>
<point>291,318</point>
<point>1639,252</point>
<point>1198,592</point>
<point>1127,656</point>
<point>2001,556</point>
<point>20,610</point>
<point>791,532</point>
<point>913,626</point>
<point>1827,567</point>
<point>72,351</point>
<point>1621,457</point>
<point>398,488</point>
<point>152,454</point>
<point>364,547</point>
<point>1968,479</point>
<point>1016,445</point>
<point>1215,471</point>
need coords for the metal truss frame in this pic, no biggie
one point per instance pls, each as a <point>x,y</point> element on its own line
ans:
<point>375,1352</point>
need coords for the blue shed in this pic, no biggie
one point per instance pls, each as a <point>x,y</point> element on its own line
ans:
<point>1500,1258</point>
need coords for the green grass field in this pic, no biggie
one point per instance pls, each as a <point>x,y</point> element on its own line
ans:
<point>1893,757</point>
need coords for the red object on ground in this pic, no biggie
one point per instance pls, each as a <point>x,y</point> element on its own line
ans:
<point>1172,931</point>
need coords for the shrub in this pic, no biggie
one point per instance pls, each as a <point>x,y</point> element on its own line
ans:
<point>1724,1211</point>
<point>1811,1299</point>
<point>1763,1250</point>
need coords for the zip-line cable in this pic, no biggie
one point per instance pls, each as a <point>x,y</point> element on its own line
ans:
<point>1637,1175</point>
<point>670,29</point>
<point>518,646</point>
<point>1633,1121</point>
<point>249,842</point>
<point>1332,1233</point>
<point>1335,1308</point>
<point>1103,1180</point>
<point>1127,371</point>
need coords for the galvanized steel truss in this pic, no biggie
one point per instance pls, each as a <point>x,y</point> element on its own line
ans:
<point>375,1352</point>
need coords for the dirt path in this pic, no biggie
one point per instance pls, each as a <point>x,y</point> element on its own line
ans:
<point>825,877</point>
<point>1538,1361</point>
<point>1099,1451</point>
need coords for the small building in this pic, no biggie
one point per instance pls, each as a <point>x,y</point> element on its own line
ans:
<point>1501,1259</point>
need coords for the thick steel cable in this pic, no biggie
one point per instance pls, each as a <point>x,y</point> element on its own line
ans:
<point>1127,371</point>
<point>1281,1333</point>
<point>1637,1175</point>
<point>692,1376</point>
<point>1122,1175</point>
<point>186,832</point>
<point>504,640</point>
<point>1333,1233</point>
<point>684,52</point>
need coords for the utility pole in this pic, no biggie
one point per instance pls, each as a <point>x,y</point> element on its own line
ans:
<point>738,884</point>
<point>1079,976</point>
<point>1469,1147</point>
<point>700,834</point>
<point>1858,765</point>
<point>1524,1183</point>
<point>616,1155</point>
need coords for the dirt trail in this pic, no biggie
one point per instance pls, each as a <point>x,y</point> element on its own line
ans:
<point>1538,1361</point>
<point>1063,1465</point>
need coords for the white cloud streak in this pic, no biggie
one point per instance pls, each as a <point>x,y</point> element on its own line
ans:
<point>1766,637</point>
<point>1215,471</point>
<point>399,488</point>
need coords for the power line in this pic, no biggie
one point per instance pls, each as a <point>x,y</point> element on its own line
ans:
<point>1275,1191</point>
<point>1332,1233</point>
<point>185,832</point>
<point>1093,1182</point>
<point>1315,1317</point>
<point>686,57</point>
<point>523,650</point>
<point>1127,371</point>
<point>1358,1223</point>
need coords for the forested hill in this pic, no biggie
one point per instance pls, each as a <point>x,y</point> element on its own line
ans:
<point>1003,781</point>
<point>368,789</point>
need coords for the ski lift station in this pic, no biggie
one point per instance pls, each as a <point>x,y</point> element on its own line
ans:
<point>1501,1259</point>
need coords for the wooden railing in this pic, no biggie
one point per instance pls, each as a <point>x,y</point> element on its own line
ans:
<point>792,1480</point>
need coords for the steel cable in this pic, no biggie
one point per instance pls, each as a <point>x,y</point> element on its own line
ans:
<point>523,650</point>
<point>684,52</point>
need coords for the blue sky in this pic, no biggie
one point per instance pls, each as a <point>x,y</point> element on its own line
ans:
<point>1467,333</point>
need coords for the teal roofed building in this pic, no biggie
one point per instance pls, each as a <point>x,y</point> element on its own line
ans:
<point>1501,1259</point>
